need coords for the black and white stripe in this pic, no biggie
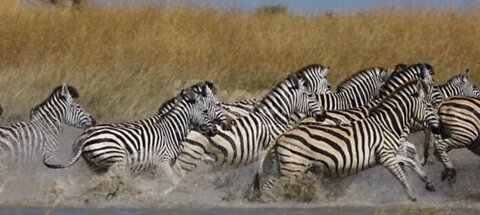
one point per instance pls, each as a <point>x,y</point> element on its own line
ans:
<point>255,133</point>
<point>459,85</point>
<point>349,148</point>
<point>154,142</point>
<point>357,90</point>
<point>315,76</point>
<point>27,142</point>
<point>460,127</point>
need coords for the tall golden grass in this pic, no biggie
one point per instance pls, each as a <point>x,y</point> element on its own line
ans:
<point>126,61</point>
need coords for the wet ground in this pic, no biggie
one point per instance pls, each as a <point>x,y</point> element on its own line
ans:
<point>208,190</point>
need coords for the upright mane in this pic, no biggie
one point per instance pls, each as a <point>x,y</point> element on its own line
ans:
<point>347,80</point>
<point>291,77</point>
<point>73,92</point>
<point>384,100</point>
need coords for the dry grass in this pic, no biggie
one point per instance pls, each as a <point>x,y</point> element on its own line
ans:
<point>127,61</point>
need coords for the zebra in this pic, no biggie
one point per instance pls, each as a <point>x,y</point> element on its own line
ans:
<point>147,144</point>
<point>355,91</point>
<point>458,85</point>
<point>24,142</point>
<point>401,75</point>
<point>349,148</point>
<point>253,134</point>
<point>460,128</point>
<point>315,76</point>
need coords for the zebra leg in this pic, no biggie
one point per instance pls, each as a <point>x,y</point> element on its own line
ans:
<point>416,167</point>
<point>426,146</point>
<point>256,179</point>
<point>114,174</point>
<point>393,166</point>
<point>168,171</point>
<point>411,159</point>
<point>441,148</point>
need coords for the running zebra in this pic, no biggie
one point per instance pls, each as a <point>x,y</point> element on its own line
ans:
<point>460,125</point>
<point>26,142</point>
<point>154,142</point>
<point>399,77</point>
<point>253,134</point>
<point>349,148</point>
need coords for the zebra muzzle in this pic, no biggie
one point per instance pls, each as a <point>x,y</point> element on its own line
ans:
<point>320,117</point>
<point>436,130</point>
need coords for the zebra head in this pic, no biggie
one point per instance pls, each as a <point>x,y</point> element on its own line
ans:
<point>198,113</point>
<point>208,92</point>
<point>304,100</point>
<point>426,113</point>
<point>63,107</point>
<point>460,85</point>
<point>75,115</point>
<point>315,77</point>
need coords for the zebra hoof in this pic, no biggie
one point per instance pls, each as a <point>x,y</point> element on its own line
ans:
<point>449,174</point>
<point>430,187</point>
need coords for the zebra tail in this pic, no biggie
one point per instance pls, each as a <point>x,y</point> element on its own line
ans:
<point>77,152</point>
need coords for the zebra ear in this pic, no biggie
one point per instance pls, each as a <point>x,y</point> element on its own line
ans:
<point>325,72</point>
<point>189,95</point>
<point>467,75</point>
<point>295,81</point>
<point>65,92</point>
<point>400,67</point>
<point>418,89</point>
<point>211,87</point>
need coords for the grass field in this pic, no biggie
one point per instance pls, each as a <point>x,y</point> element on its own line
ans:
<point>126,61</point>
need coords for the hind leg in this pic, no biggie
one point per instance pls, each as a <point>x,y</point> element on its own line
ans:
<point>418,170</point>
<point>441,148</point>
<point>115,174</point>
<point>393,166</point>
<point>168,171</point>
<point>291,168</point>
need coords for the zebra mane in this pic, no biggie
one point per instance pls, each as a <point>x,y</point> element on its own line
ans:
<point>455,78</point>
<point>57,91</point>
<point>385,100</point>
<point>294,78</point>
<point>200,87</point>
<point>167,106</point>
<point>310,67</point>
<point>354,75</point>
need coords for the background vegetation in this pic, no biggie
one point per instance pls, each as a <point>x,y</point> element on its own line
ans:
<point>126,61</point>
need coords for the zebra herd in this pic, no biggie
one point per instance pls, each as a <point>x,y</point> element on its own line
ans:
<point>300,123</point>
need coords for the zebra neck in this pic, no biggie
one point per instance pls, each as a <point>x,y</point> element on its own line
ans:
<point>49,124</point>
<point>175,124</point>
<point>448,90</point>
<point>275,113</point>
<point>394,118</point>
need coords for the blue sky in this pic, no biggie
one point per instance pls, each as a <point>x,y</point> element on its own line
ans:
<point>322,6</point>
